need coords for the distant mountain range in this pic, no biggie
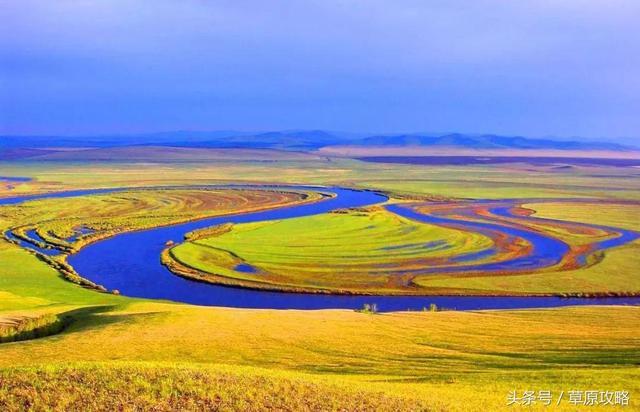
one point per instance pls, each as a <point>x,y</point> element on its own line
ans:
<point>486,142</point>
<point>300,140</point>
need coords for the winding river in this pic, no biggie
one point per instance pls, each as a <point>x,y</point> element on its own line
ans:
<point>130,263</point>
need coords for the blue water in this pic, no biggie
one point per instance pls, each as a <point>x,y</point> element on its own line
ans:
<point>245,268</point>
<point>79,232</point>
<point>546,251</point>
<point>15,179</point>
<point>28,245</point>
<point>130,262</point>
<point>21,242</point>
<point>35,236</point>
<point>625,236</point>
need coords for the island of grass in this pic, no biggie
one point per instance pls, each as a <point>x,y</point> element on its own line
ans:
<point>347,251</point>
<point>375,251</point>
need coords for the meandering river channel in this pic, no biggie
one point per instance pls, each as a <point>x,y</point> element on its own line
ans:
<point>130,262</point>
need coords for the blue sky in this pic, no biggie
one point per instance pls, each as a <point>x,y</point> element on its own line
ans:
<point>533,68</point>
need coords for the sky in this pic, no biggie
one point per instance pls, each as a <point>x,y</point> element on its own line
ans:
<point>533,68</point>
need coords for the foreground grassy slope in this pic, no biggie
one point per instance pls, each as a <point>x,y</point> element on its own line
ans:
<point>450,360</point>
<point>153,386</point>
<point>410,345</point>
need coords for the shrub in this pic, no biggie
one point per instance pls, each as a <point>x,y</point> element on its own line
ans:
<point>368,308</point>
<point>30,328</point>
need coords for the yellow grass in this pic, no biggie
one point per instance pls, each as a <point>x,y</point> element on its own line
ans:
<point>443,358</point>
<point>120,352</point>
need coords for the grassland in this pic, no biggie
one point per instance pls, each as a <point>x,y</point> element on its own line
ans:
<point>373,251</point>
<point>352,250</point>
<point>617,272</point>
<point>124,353</point>
<point>503,181</point>
<point>442,360</point>
<point>68,224</point>
<point>617,215</point>
<point>154,386</point>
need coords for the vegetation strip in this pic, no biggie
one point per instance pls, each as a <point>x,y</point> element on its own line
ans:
<point>108,214</point>
<point>25,327</point>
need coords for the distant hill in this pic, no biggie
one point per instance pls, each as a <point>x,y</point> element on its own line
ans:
<point>159,154</point>
<point>288,140</point>
<point>485,142</point>
<point>293,140</point>
<point>163,139</point>
<point>16,147</point>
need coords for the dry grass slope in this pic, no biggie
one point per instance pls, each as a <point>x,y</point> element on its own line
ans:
<point>140,387</point>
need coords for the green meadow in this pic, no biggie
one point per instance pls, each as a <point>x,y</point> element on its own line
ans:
<point>353,250</point>
<point>66,347</point>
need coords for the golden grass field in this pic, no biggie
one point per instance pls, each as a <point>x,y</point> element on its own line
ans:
<point>123,353</point>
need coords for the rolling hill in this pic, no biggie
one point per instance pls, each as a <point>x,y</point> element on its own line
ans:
<point>326,143</point>
<point>486,142</point>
